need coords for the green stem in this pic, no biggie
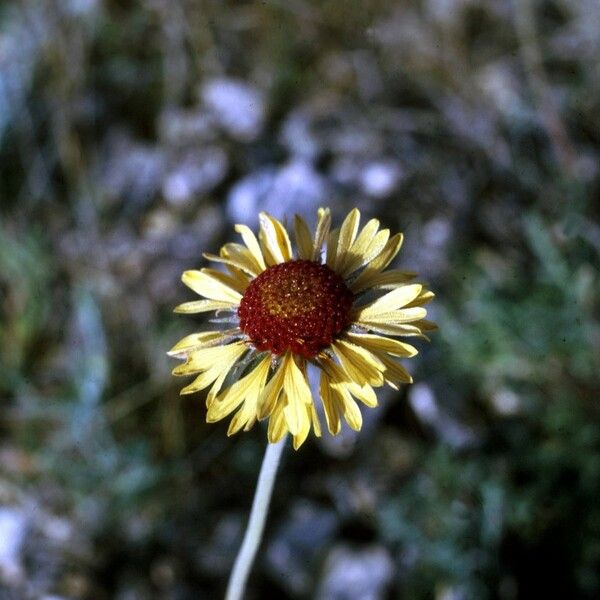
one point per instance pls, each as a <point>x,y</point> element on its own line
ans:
<point>256,522</point>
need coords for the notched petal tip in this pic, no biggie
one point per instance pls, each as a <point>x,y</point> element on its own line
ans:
<point>180,371</point>
<point>185,392</point>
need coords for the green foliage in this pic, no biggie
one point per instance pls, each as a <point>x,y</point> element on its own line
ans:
<point>25,272</point>
<point>533,481</point>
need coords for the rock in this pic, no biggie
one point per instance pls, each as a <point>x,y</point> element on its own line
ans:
<point>296,185</point>
<point>194,174</point>
<point>13,528</point>
<point>505,402</point>
<point>356,574</point>
<point>499,82</point>
<point>247,194</point>
<point>374,178</point>
<point>380,178</point>
<point>297,136</point>
<point>131,171</point>
<point>236,106</point>
<point>423,401</point>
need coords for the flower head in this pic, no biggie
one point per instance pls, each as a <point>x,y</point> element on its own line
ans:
<point>287,312</point>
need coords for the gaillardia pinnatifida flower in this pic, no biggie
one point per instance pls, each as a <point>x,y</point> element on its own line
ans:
<point>286,311</point>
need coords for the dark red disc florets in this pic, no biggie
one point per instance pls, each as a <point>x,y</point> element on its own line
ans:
<point>298,305</point>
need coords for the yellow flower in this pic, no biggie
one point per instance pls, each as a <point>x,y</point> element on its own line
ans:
<point>286,312</point>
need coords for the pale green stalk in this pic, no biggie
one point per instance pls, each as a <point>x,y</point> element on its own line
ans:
<point>256,522</point>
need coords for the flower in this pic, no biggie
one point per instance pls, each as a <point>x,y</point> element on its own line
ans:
<point>286,312</point>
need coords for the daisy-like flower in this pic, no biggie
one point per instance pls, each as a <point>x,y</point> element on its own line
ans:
<point>339,311</point>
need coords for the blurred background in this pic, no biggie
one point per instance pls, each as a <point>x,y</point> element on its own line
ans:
<point>134,134</point>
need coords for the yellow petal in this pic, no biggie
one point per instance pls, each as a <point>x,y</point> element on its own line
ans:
<point>295,415</point>
<point>301,436</point>
<point>425,325</point>
<point>351,411</point>
<point>332,243</point>
<point>240,279</point>
<point>238,256</point>
<point>424,297</point>
<point>270,395</point>
<point>240,420</point>
<point>206,358</point>
<point>330,405</point>
<point>304,240</point>
<point>361,366</point>
<point>322,231</point>
<point>380,262</point>
<point>226,261</point>
<point>394,317</point>
<point>277,426</point>
<point>247,390</point>
<point>390,301</point>
<point>388,279</point>
<point>250,422</point>
<point>348,232</point>
<point>274,240</point>
<point>195,341</point>
<point>216,372</point>
<point>383,344</point>
<point>240,251</point>
<point>395,373</point>
<point>211,285</point>
<point>298,395</point>
<point>216,386</point>
<point>239,284</point>
<point>352,259</point>
<point>340,380</point>
<point>204,380</point>
<point>252,244</point>
<point>366,394</point>
<point>404,329</point>
<point>360,258</point>
<point>315,419</point>
<point>200,306</point>
<point>377,245</point>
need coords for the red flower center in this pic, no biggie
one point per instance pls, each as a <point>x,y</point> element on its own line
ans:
<point>297,305</point>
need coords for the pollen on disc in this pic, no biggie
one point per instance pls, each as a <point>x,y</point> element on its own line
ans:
<point>298,305</point>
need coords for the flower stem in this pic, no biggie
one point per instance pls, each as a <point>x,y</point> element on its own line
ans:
<point>256,522</point>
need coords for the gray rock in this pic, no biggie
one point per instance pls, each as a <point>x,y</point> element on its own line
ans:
<point>423,401</point>
<point>236,106</point>
<point>248,194</point>
<point>376,179</point>
<point>356,574</point>
<point>25,33</point>
<point>295,186</point>
<point>380,178</point>
<point>194,174</point>
<point>13,529</point>
<point>132,171</point>
<point>297,136</point>
<point>499,82</point>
